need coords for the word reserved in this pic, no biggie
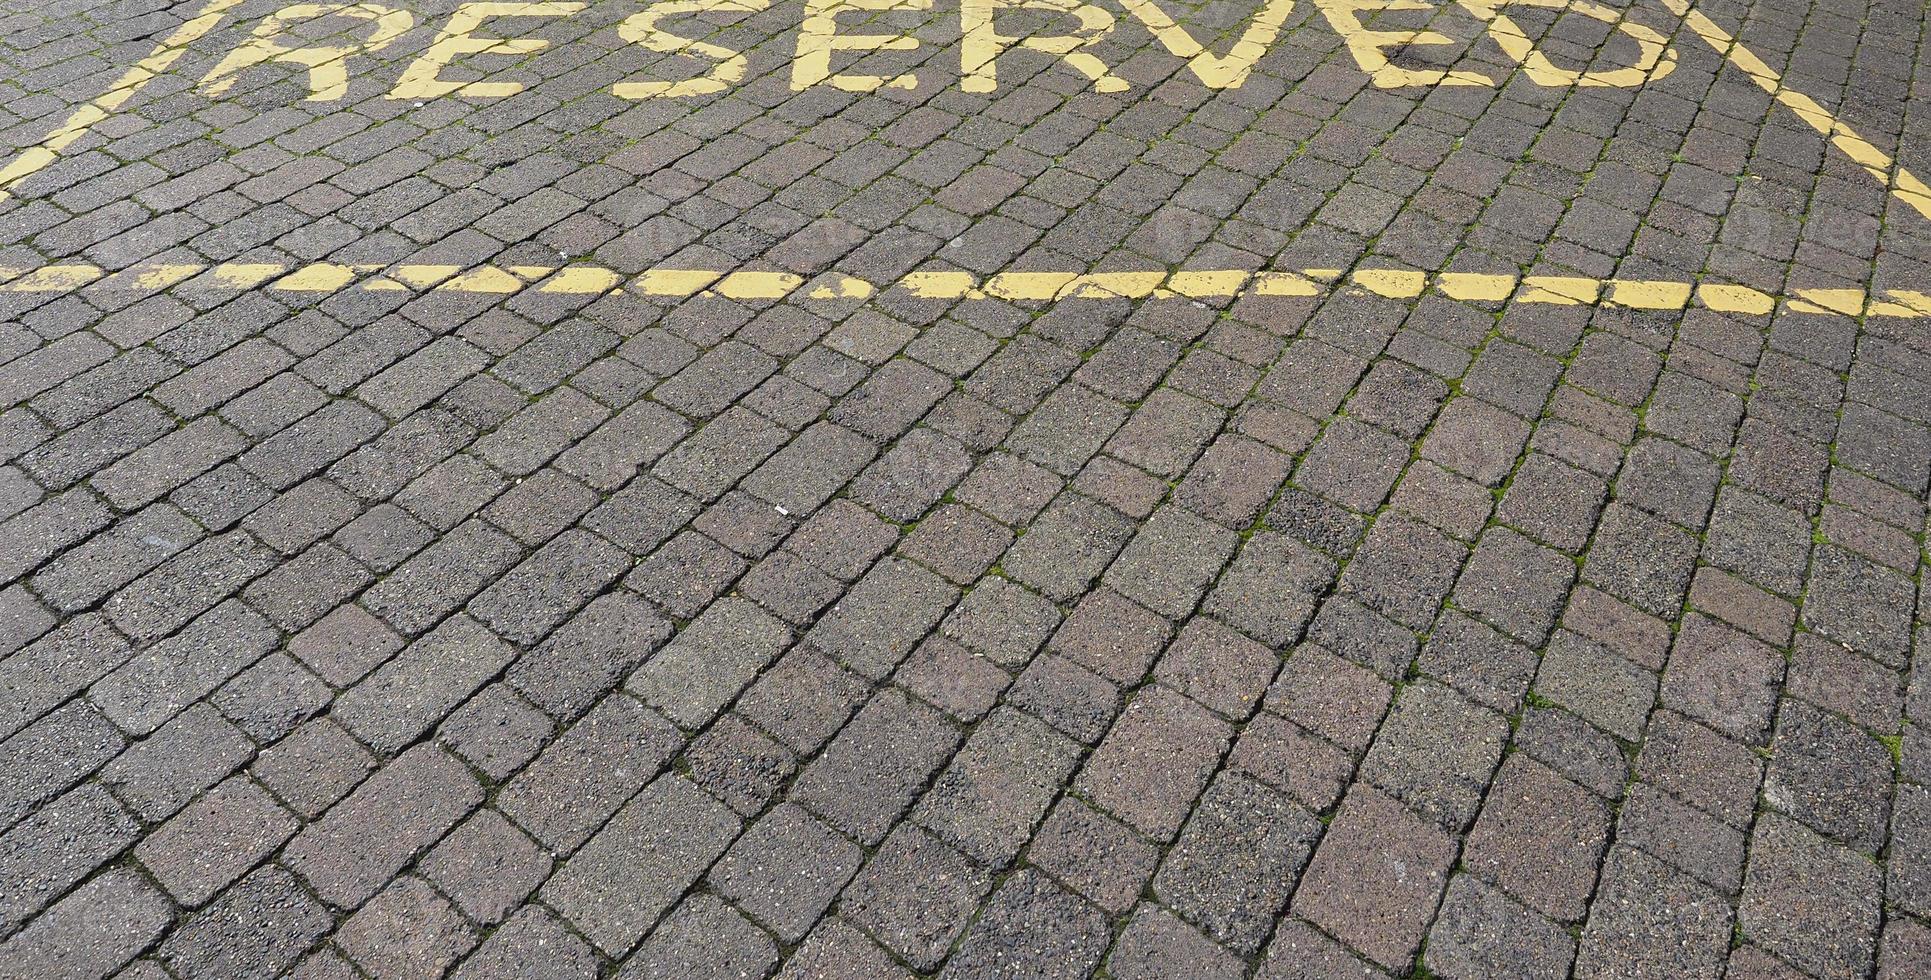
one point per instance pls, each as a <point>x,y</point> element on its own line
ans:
<point>489,28</point>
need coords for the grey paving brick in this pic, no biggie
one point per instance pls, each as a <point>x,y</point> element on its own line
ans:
<point>704,937</point>
<point>1606,690</point>
<point>1354,465</point>
<point>312,767</point>
<point>486,866</point>
<point>1269,590</point>
<point>996,789</point>
<point>1809,902</point>
<point>915,896</point>
<point>1515,584</point>
<point>1032,928</point>
<point>1481,933</point>
<point>710,662</point>
<point>53,754</point>
<point>114,558</point>
<point>348,854</point>
<point>1723,678</point>
<point>876,766</point>
<point>158,775</point>
<point>1859,604</point>
<point>882,617</point>
<point>1436,752</point>
<point>1154,761</point>
<point>632,869</point>
<point>786,870</point>
<point>1649,920</point>
<point>1170,561</point>
<point>407,929</point>
<point>1155,944</point>
<point>1552,502</point>
<point>256,929</point>
<point>93,931</point>
<point>1829,775</point>
<point>533,943</point>
<point>1689,840</point>
<point>454,619</point>
<point>1376,877</point>
<point>588,654</point>
<point>1235,863</point>
<point>441,577</point>
<point>57,846</point>
<point>409,694</point>
<point>1641,559</point>
<point>532,598</point>
<point>1539,839</point>
<point>912,475</point>
<point>1403,570</point>
<point>1476,440</point>
<point>589,771</point>
<point>214,840</point>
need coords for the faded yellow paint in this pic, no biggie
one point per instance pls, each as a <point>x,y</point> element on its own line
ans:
<point>843,287</point>
<point>55,279</point>
<point>1031,286</point>
<point>422,79</point>
<point>982,44</point>
<point>1725,298</point>
<point>1370,47</point>
<point>321,277</point>
<point>1475,286</point>
<point>328,74</point>
<point>485,279</point>
<point>1896,306</point>
<point>35,158</point>
<point>1208,284</point>
<point>642,29</point>
<point>818,38</point>
<point>581,279</point>
<point>1901,182</point>
<point>674,282</point>
<point>1654,59</point>
<point>1560,290</point>
<point>161,276</point>
<point>245,275</point>
<point>1912,300</point>
<point>1215,71</point>
<point>1115,285</point>
<point>758,285</point>
<point>1650,294</point>
<point>1283,284</point>
<point>939,285</point>
<point>1392,283</point>
<point>423,276</point>
<point>1844,302</point>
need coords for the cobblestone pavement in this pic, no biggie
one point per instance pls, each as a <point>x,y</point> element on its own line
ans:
<point>858,488</point>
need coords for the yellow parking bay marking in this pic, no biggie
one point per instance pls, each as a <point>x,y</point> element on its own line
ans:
<point>1907,187</point>
<point>818,38</point>
<point>37,157</point>
<point>325,278</point>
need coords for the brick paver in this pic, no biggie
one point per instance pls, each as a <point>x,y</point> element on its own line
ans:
<point>976,488</point>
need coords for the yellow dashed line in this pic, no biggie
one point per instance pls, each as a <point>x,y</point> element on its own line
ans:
<point>53,279</point>
<point>322,278</point>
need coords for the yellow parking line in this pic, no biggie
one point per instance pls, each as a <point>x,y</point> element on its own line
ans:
<point>322,278</point>
<point>1875,162</point>
<point>35,158</point>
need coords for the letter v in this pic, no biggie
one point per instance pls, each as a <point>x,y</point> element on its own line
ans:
<point>1214,71</point>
